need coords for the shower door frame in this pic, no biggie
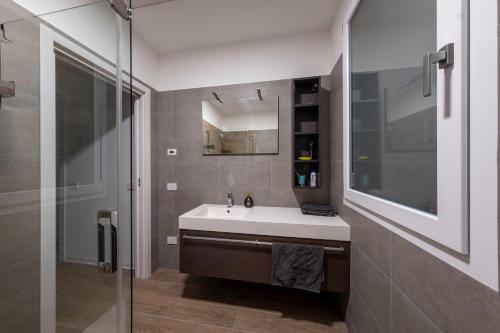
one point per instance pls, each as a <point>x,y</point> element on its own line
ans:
<point>141,205</point>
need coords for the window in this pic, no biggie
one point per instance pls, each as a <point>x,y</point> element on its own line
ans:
<point>406,123</point>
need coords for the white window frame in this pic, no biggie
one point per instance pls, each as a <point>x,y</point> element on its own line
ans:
<point>468,238</point>
<point>450,226</point>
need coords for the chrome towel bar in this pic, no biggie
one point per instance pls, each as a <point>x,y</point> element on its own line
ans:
<point>250,242</point>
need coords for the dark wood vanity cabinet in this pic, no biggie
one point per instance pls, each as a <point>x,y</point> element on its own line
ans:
<point>237,257</point>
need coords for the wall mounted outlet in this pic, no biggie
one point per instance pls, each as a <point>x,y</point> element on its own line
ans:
<point>171,240</point>
<point>171,151</point>
<point>171,186</point>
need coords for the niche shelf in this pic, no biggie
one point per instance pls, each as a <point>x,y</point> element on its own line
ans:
<point>306,128</point>
<point>366,131</point>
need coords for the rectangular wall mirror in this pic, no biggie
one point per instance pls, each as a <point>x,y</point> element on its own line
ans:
<point>240,126</point>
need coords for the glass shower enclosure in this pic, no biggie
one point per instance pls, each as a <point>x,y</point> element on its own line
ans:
<point>66,185</point>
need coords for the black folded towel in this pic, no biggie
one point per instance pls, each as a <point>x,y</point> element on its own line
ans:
<point>297,266</point>
<point>320,210</point>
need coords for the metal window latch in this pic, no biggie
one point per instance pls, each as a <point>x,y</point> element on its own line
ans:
<point>444,57</point>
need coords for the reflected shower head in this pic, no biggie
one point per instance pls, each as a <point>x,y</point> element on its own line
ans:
<point>3,35</point>
<point>7,88</point>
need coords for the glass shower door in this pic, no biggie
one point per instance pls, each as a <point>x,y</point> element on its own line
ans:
<point>66,259</point>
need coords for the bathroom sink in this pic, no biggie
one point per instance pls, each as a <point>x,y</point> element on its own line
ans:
<point>269,221</point>
<point>235,212</point>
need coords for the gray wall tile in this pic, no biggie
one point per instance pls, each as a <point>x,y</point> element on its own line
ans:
<point>371,238</point>
<point>155,181</point>
<point>427,294</point>
<point>281,175</point>
<point>166,173</point>
<point>20,237</point>
<point>199,175</point>
<point>260,197</point>
<point>335,134</point>
<point>452,300</point>
<point>167,199</point>
<point>251,176</point>
<point>20,288</point>
<point>155,190</point>
<point>205,179</point>
<point>20,178</point>
<point>19,135</point>
<point>337,173</point>
<point>169,256</point>
<point>188,148</point>
<point>284,198</point>
<point>187,199</point>
<point>406,317</point>
<point>372,285</point>
<point>21,63</point>
<point>168,226</point>
<point>360,316</point>
<point>19,175</point>
<point>338,204</point>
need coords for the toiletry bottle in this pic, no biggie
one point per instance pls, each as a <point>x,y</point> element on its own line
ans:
<point>313,179</point>
<point>248,201</point>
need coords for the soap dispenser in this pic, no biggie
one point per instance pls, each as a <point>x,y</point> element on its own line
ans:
<point>248,201</point>
<point>313,178</point>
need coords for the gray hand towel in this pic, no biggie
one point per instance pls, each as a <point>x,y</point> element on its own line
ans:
<point>297,266</point>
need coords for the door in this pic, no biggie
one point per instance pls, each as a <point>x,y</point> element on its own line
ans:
<point>92,224</point>
<point>87,117</point>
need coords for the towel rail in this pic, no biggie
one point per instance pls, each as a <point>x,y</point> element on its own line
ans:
<point>255,242</point>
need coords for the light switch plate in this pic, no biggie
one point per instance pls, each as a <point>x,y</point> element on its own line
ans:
<point>171,186</point>
<point>171,151</point>
<point>171,240</point>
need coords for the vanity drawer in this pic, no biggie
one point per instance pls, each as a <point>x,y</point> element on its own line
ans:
<point>248,257</point>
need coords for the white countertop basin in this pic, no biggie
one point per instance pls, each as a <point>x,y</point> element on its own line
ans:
<point>266,221</point>
<point>213,212</point>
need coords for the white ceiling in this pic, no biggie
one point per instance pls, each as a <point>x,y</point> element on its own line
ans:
<point>189,24</point>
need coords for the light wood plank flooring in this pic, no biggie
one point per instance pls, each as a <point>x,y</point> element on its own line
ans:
<point>83,296</point>
<point>173,302</point>
<point>86,298</point>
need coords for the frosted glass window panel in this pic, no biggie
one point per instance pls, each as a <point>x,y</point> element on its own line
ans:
<point>394,138</point>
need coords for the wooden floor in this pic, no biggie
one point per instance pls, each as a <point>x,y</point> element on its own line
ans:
<point>83,296</point>
<point>172,302</point>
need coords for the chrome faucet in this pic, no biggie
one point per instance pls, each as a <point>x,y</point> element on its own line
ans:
<point>230,201</point>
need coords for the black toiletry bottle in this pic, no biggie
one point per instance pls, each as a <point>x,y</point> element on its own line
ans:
<point>248,201</point>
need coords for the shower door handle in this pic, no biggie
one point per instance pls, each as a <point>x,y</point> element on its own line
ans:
<point>444,57</point>
<point>107,245</point>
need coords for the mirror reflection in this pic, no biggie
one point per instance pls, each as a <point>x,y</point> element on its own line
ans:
<point>240,126</point>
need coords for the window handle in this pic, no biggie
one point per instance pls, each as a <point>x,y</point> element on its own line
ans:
<point>444,57</point>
